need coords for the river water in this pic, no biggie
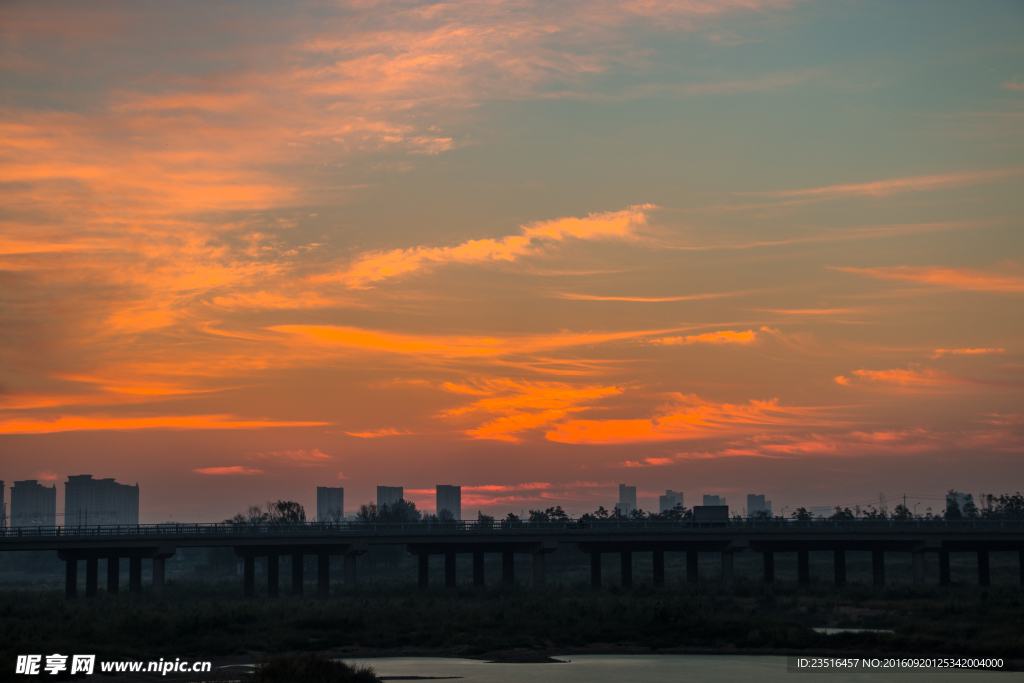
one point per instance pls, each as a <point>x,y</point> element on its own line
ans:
<point>655,669</point>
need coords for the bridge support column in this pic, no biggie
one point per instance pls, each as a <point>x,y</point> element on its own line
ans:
<point>595,570</point>
<point>839,566</point>
<point>944,568</point>
<point>323,575</point>
<point>727,573</point>
<point>298,573</point>
<point>878,567</point>
<point>71,578</point>
<point>917,558</point>
<point>135,574</point>
<point>350,572</point>
<point>449,570</point>
<point>803,567</point>
<point>248,576</point>
<point>983,572</point>
<point>691,566</point>
<point>626,575</point>
<point>478,569</point>
<point>159,567</point>
<point>113,574</point>
<point>658,560</point>
<point>423,570</point>
<point>273,568</point>
<point>92,571</point>
<point>1021,560</point>
<point>769,566</point>
<point>508,568</point>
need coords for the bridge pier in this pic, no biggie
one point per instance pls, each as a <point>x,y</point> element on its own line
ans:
<point>423,570</point>
<point>350,571</point>
<point>298,573</point>
<point>508,568</point>
<point>71,578</point>
<point>323,574</point>
<point>91,576</point>
<point>944,579</point>
<point>692,567</point>
<point>878,567</point>
<point>478,569</point>
<point>917,559</point>
<point>248,576</point>
<point>658,561</point>
<point>1021,560</point>
<point>727,562</point>
<point>595,570</point>
<point>113,574</point>
<point>803,567</point>
<point>158,575</point>
<point>626,576</point>
<point>839,566</point>
<point>449,570</point>
<point>273,569</point>
<point>983,570</point>
<point>538,570</point>
<point>769,566</point>
<point>135,574</point>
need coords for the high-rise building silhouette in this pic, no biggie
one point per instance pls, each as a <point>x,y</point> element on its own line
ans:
<point>33,504</point>
<point>627,499</point>
<point>669,500</point>
<point>713,500</point>
<point>330,503</point>
<point>449,498</point>
<point>3,507</point>
<point>389,495</point>
<point>89,501</point>
<point>756,504</point>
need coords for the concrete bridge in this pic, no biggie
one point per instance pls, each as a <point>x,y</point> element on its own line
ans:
<point>349,540</point>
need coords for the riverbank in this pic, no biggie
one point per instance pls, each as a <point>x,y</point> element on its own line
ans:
<point>213,622</point>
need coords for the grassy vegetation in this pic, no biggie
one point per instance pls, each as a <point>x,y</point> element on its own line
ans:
<point>211,620</point>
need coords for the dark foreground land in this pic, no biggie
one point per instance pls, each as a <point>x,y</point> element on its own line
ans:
<point>210,620</point>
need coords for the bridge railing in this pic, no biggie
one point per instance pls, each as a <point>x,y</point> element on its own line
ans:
<point>512,528</point>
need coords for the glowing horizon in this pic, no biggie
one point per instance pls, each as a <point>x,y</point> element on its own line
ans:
<point>533,249</point>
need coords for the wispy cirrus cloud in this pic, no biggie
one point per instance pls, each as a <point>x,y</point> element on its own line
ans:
<point>939,353</point>
<point>911,379</point>
<point>67,423</point>
<point>378,433</point>
<point>891,186</point>
<point>689,417</point>
<point>949,278</point>
<point>719,337</point>
<point>377,266</point>
<point>233,469</point>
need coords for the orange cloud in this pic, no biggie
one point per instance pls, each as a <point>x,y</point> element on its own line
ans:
<point>377,433</point>
<point>67,423</point>
<point>910,379</point>
<point>688,417</point>
<point>720,337</point>
<point>1014,84</point>
<point>376,266</point>
<point>648,462</point>
<point>891,186</point>
<point>523,406</point>
<point>234,469</point>
<point>949,278</point>
<point>939,353</point>
<point>641,299</point>
<point>300,457</point>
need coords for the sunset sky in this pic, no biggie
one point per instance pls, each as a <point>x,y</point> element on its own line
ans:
<point>533,248</point>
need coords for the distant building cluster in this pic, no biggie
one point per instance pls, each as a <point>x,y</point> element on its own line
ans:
<point>330,504</point>
<point>627,499</point>
<point>756,505</point>
<point>714,501</point>
<point>33,504</point>
<point>89,501</point>
<point>449,502</point>
<point>669,500</point>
